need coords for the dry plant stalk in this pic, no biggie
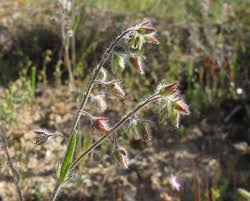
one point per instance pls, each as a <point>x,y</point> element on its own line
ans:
<point>14,172</point>
<point>166,95</point>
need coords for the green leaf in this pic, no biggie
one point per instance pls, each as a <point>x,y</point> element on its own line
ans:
<point>64,170</point>
<point>76,23</point>
<point>244,193</point>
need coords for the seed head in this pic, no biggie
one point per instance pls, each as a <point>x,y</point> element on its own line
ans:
<point>41,136</point>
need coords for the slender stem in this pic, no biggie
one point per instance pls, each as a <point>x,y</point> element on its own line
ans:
<point>114,128</point>
<point>55,192</point>
<point>104,60</point>
<point>106,56</point>
<point>10,164</point>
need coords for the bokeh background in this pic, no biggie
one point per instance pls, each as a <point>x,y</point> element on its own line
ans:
<point>204,44</point>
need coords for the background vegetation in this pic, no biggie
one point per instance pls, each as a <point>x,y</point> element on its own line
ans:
<point>204,44</point>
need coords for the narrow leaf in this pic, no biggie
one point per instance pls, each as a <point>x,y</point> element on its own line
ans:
<point>64,170</point>
<point>76,23</point>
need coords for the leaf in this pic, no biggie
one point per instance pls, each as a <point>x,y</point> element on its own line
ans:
<point>244,193</point>
<point>64,170</point>
<point>76,23</point>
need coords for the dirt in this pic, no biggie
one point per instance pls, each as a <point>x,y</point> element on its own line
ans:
<point>205,152</point>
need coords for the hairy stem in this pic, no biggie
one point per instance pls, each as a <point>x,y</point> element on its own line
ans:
<point>114,128</point>
<point>10,164</point>
<point>104,60</point>
<point>106,56</point>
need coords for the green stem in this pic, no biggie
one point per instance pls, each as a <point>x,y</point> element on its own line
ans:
<point>56,191</point>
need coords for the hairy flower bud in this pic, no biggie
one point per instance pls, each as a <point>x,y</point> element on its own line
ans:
<point>181,107</point>
<point>99,102</point>
<point>101,124</point>
<point>137,62</point>
<point>168,89</point>
<point>121,157</point>
<point>117,89</point>
<point>146,28</point>
<point>151,39</point>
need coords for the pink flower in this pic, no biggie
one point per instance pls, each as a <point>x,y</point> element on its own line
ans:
<point>174,183</point>
<point>101,124</point>
<point>182,107</point>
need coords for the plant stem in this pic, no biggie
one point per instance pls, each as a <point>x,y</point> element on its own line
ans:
<point>114,128</point>
<point>10,164</point>
<point>104,60</point>
<point>106,56</point>
<point>55,191</point>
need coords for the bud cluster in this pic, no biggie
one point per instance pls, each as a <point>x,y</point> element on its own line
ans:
<point>174,105</point>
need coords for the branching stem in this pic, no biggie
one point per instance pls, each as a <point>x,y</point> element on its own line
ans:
<point>114,129</point>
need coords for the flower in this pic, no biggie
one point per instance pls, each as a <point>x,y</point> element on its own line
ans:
<point>174,183</point>
<point>121,157</point>
<point>101,124</point>
<point>181,106</point>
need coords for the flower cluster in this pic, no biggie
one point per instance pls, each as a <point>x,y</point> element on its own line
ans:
<point>174,105</point>
<point>168,96</point>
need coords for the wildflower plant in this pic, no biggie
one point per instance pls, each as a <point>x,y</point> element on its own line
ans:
<point>124,51</point>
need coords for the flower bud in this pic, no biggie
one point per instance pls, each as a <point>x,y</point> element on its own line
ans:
<point>117,89</point>
<point>169,89</point>
<point>146,28</point>
<point>101,124</point>
<point>99,102</point>
<point>181,107</point>
<point>136,62</point>
<point>151,39</point>
<point>121,157</point>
